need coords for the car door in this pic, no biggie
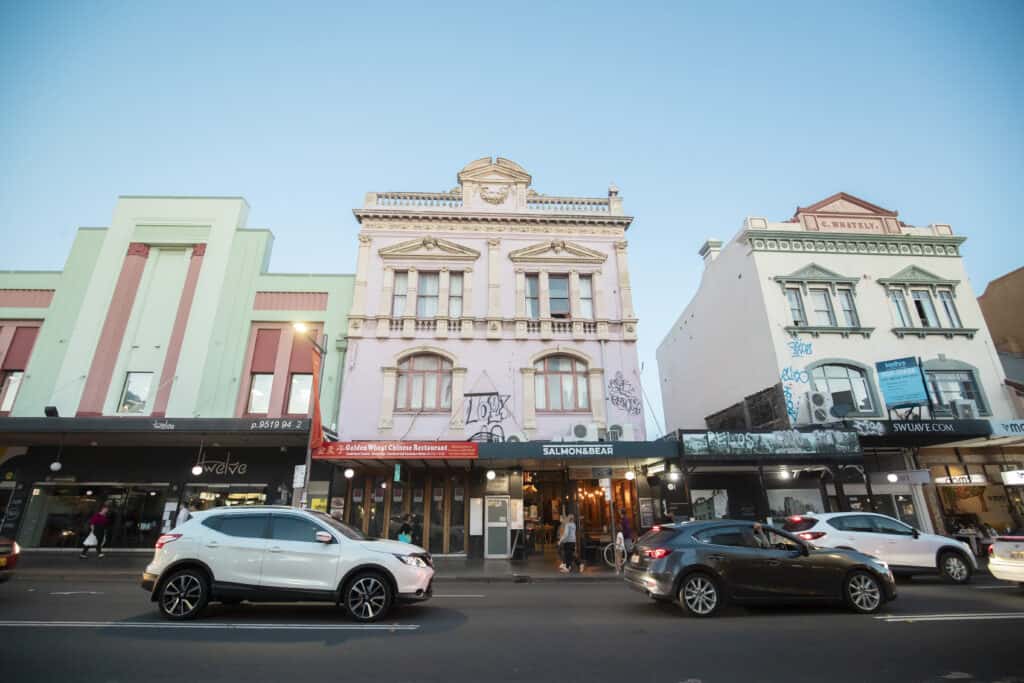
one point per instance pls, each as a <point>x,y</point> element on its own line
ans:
<point>234,546</point>
<point>729,552</point>
<point>784,569</point>
<point>295,560</point>
<point>899,547</point>
<point>855,531</point>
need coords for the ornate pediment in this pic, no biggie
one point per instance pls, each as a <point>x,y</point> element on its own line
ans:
<point>486,170</point>
<point>914,275</point>
<point>845,213</point>
<point>815,273</point>
<point>557,251</point>
<point>430,249</point>
<point>842,203</point>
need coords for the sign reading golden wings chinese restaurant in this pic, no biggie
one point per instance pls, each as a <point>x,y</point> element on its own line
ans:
<point>397,450</point>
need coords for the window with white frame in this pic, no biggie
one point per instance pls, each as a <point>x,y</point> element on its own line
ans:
<point>586,297</point>
<point>948,305</point>
<point>428,291</point>
<point>822,314</point>
<point>847,385</point>
<point>455,295</point>
<point>848,307</point>
<point>946,386</point>
<point>135,393</point>
<point>10,382</point>
<point>796,306</point>
<point>399,293</point>
<point>424,384</point>
<point>899,302</point>
<point>260,386</point>
<point>533,296</point>
<point>925,308</point>
<point>560,385</point>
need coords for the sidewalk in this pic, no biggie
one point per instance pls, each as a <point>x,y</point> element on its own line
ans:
<point>128,565</point>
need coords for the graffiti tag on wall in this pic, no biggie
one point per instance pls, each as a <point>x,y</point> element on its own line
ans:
<point>487,413</point>
<point>800,349</point>
<point>623,395</point>
<point>789,377</point>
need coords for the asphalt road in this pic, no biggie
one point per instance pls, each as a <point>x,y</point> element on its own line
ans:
<point>108,631</point>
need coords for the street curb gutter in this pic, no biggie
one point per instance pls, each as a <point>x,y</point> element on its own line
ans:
<point>121,577</point>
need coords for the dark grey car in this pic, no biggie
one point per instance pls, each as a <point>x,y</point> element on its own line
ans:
<point>702,565</point>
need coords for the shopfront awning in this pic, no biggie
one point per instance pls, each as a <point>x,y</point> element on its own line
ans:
<point>148,431</point>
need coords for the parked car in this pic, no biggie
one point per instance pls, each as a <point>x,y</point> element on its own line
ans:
<point>9,551</point>
<point>905,549</point>
<point>1006,557</point>
<point>281,554</point>
<point>702,565</point>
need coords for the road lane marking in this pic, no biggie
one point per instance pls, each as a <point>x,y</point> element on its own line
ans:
<point>996,588</point>
<point>964,616</point>
<point>77,593</point>
<point>207,626</point>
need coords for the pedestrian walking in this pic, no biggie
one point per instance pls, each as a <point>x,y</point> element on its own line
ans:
<point>98,525</point>
<point>627,531</point>
<point>185,513</point>
<point>405,531</point>
<point>567,544</point>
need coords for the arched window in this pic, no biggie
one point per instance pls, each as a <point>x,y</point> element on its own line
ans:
<point>561,384</point>
<point>424,384</point>
<point>847,385</point>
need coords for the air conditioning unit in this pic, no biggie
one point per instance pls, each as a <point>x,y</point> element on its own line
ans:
<point>964,409</point>
<point>584,432</point>
<point>516,437</point>
<point>821,406</point>
<point>621,433</point>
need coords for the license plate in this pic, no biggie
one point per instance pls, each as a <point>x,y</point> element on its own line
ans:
<point>635,559</point>
<point>3,561</point>
<point>1015,555</point>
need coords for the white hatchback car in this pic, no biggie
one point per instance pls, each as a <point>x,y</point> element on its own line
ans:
<point>906,550</point>
<point>282,554</point>
<point>1006,557</point>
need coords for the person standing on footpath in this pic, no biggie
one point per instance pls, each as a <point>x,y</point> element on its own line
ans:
<point>98,525</point>
<point>185,513</point>
<point>567,544</point>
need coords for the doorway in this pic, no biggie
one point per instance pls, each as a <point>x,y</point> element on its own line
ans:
<point>496,527</point>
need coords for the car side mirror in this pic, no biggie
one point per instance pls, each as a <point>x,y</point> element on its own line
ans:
<point>324,537</point>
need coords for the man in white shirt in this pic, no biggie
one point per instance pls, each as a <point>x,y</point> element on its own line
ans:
<point>184,514</point>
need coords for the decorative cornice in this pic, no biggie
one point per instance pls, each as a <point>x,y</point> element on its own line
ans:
<point>914,275</point>
<point>845,243</point>
<point>947,332</point>
<point>583,219</point>
<point>556,251</point>
<point>815,331</point>
<point>365,239</point>
<point>430,249</point>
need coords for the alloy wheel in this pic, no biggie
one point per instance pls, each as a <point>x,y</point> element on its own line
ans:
<point>182,594</point>
<point>367,598</point>
<point>864,593</point>
<point>955,568</point>
<point>700,595</point>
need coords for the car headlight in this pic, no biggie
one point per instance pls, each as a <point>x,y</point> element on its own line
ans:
<point>413,561</point>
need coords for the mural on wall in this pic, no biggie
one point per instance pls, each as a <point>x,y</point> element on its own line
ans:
<point>623,395</point>
<point>486,413</point>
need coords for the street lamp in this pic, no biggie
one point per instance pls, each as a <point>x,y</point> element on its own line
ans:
<point>321,349</point>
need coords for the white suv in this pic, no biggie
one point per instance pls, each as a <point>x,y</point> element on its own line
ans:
<point>906,550</point>
<point>282,554</point>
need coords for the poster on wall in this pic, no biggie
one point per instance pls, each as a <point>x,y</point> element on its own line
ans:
<point>901,382</point>
<point>646,513</point>
<point>516,513</point>
<point>476,516</point>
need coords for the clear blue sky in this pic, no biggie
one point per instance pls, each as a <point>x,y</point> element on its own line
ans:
<point>702,115</point>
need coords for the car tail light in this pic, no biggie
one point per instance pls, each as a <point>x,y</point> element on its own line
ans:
<point>992,550</point>
<point>657,553</point>
<point>16,550</point>
<point>811,535</point>
<point>165,539</point>
<point>655,528</point>
<point>795,518</point>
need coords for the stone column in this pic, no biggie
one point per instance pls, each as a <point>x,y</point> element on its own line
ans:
<point>545,306</point>
<point>466,324</point>
<point>409,321</point>
<point>625,291</point>
<point>529,401</point>
<point>444,290</point>
<point>521,303</point>
<point>457,423</point>
<point>387,398</point>
<point>597,395</point>
<point>493,289</point>
<point>574,304</point>
<point>357,314</point>
<point>384,310</point>
<point>599,307</point>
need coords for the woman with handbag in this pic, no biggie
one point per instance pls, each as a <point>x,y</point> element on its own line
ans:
<point>98,524</point>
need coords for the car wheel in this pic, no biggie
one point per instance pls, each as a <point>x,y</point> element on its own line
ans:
<point>699,595</point>
<point>183,595</point>
<point>863,592</point>
<point>954,567</point>
<point>368,597</point>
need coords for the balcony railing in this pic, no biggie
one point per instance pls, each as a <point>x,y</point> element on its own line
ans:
<point>419,200</point>
<point>568,204</point>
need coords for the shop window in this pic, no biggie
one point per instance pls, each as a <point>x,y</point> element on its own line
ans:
<point>260,385</point>
<point>289,528</point>
<point>925,308</point>
<point>437,517</point>
<point>847,385</point>
<point>796,306</point>
<point>586,297</point>
<point>533,296</point>
<point>946,386</point>
<point>455,283</point>
<point>358,515</point>
<point>10,382</point>
<point>135,393</point>
<point>427,292</point>
<point>378,496</point>
<point>558,295</point>
<point>561,385</point>
<point>457,517</point>
<point>787,502</point>
<point>399,293</point>
<point>299,390</point>
<point>424,384</point>
<point>946,297</point>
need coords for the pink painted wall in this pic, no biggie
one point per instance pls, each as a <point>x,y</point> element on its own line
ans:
<point>25,298</point>
<point>290,301</point>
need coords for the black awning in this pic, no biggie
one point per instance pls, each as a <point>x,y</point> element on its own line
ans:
<point>33,431</point>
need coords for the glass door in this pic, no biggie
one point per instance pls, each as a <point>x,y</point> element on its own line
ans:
<point>496,527</point>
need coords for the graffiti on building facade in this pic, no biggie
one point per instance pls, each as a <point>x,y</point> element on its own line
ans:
<point>623,395</point>
<point>486,413</point>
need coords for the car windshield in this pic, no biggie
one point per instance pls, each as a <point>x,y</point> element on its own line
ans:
<point>345,529</point>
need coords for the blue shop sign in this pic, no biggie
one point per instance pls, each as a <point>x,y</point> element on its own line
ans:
<point>901,382</point>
